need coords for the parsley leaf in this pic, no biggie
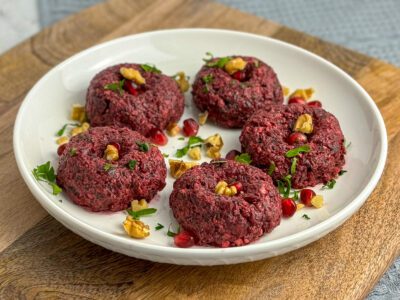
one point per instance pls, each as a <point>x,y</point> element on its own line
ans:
<point>194,141</point>
<point>181,138</point>
<point>306,217</point>
<point>116,86</point>
<point>72,152</point>
<point>46,174</point>
<point>285,185</point>
<point>208,78</point>
<point>107,167</point>
<point>144,147</point>
<point>293,166</point>
<point>342,172</point>
<point>329,185</point>
<point>243,158</point>
<point>62,130</point>
<point>295,196</point>
<point>296,151</point>
<point>171,233</point>
<point>132,164</point>
<point>182,152</point>
<point>209,57</point>
<point>165,155</point>
<point>219,63</point>
<point>140,213</point>
<point>150,68</point>
<point>271,168</point>
<point>159,226</point>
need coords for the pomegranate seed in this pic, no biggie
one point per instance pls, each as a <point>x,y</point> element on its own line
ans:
<point>306,195</point>
<point>61,149</point>
<point>128,86</point>
<point>238,186</point>
<point>297,137</point>
<point>232,154</point>
<point>190,127</point>
<point>315,103</point>
<point>183,240</point>
<point>288,207</point>
<point>297,100</point>
<point>116,145</point>
<point>158,137</point>
<point>239,75</point>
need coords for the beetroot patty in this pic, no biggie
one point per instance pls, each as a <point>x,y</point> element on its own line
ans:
<point>225,221</point>
<point>265,137</point>
<point>229,101</point>
<point>99,185</point>
<point>159,101</point>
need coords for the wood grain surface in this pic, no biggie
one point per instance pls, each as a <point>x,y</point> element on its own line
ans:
<point>41,259</point>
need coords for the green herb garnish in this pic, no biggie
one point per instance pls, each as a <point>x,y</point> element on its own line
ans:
<point>144,147</point>
<point>194,141</point>
<point>165,155</point>
<point>132,164</point>
<point>271,168</point>
<point>295,195</point>
<point>159,226</point>
<point>62,130</point>
<point>116,86</point>
<point>243,158</point>
<point>46,174</point>
<point>342,172</point>
<point>150,68</point>
<point>208,78</point>
<point>209,58</point>
<point>72,152</point>
<point>306,217</point>
<point>206,89</point>
<point>181,138</point>
<point>107,167</point>
<point>219,63</point>
<point>285,185</point>
<point>171,233</point>
<point>296,151</point>
<point>293,166</point>
<point>329,185</point>
<point>140,213</point>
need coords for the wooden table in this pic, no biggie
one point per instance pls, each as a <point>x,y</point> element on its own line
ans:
<point>40,258</point>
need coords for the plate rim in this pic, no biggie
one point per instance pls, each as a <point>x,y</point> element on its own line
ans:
<point>326,226</point>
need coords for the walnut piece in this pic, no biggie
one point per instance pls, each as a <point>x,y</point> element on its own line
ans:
<point>137,205</point>
<point>132,74</point>
<point>213,146</point>
<point>135,228</point>
<point>178,167</point>
<point>234,65</point>
<point>304,124</point>
<point>306,94</point>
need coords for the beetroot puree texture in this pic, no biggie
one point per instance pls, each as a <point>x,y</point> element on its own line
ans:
<point>157,103</point>
<point>265,138</point>
<point>225,221</point>
<point>89,182</point>
<point>231,102</point>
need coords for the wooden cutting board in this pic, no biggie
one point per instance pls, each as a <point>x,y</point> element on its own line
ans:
<point>40,258</point>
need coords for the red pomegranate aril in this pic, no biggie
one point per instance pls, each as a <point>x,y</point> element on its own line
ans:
<point>315,103</point>
<point>288,207</point>
<point>128,86</point>
<point>61,149</point>
<point>190,127</point>
<point>116,145</point>
<point>297,137</point>
<point>158,137</point>
<point>232,154</point>
<point>238,186</point>
<point>306,195</point>
<point>183,240</point>
<point>239,75</point>
<point>297,100</point>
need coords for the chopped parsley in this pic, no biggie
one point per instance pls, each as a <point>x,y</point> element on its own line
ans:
<point>208,78</point>
<point>295,196</point>
<point>46,174</point>
<point>342,172</point>
<point>285,185</point>
<point>116,86</point>
<point>165,155</point>
<point>132,164</point>
<point>329,185</point>
<point>306,217</point>
<point>346,145</point>
<point>243,158</point>
<point>271,168</point>
<point>293,166</point>
<point>219,63</point>
<point>150,68</point>
<point>62,130</point>
<point>171,233</point>
<point>140,213</point>
<point>181,138</point>
<point>194,141</point>
<point>296,151</point>
<point>144,147</point>
<point>206,89</point>
<point>107,167</point>
<point>159,226</point>
<point>72,152</point>
<point>209,57</point>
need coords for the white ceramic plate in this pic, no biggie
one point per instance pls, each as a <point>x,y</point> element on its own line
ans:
<point>46,108</point>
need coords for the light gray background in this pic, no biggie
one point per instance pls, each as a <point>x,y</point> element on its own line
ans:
<point>370,27</point>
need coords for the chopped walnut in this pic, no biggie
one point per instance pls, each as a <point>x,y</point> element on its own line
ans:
<point>203,118</point>
<point>135,228</point>
<point>299,206</point>
<point>132,74</point>
<point>137,205</point>
<point>77,130</point>
<point>213,146</point>
<point>178,167</point>
<point>182,82</point>
<point>285,91</point>
<point>78,113</point>
<point>234,65</point>
<point>62,140</point>
<point>317,201</point>
<point>304,124</point>
<point>222,188</point>
<point>303,93</point>
<point>195,153</point>
<point>173,129</point>
<point>111,153</point>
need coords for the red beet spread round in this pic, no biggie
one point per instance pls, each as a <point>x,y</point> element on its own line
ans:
<point>225,221</point>
<point>88,179</point>
<point>231,102</point>
<point>158,102</point>
<point>265,138</point>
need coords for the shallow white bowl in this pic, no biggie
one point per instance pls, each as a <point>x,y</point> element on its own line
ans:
<point>46,108</point>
